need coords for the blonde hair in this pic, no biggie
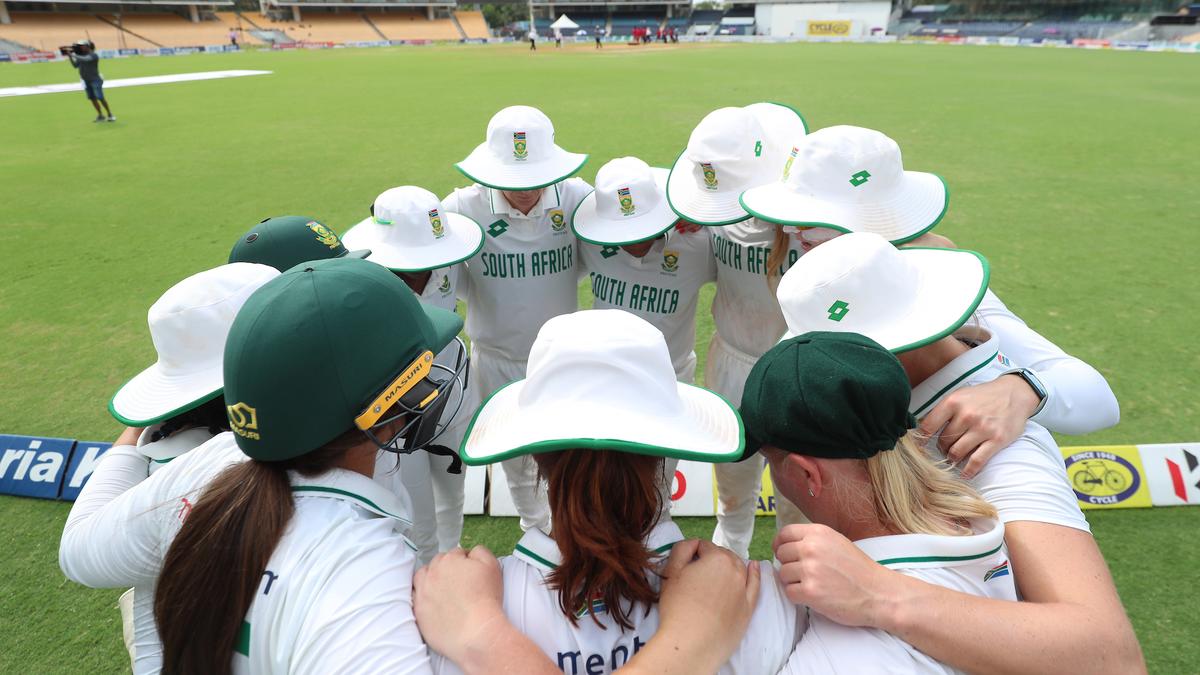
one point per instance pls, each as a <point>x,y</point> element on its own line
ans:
<point>913,494</point>
<point>778,255</point>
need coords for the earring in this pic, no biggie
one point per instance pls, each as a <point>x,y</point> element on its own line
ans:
<point>810,493</point>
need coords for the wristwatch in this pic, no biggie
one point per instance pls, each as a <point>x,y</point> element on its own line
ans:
<point>1035,384</point>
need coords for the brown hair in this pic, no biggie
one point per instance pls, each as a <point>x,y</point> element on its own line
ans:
<point>603,504</point>
<point>778,255</point>
<point>212,570</point>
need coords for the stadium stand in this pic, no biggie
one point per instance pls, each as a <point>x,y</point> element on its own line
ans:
<point>473,24</point>
<point>412,25</point>
<point>45,31</point>
<point>624,23</point>
<point>705,22</point>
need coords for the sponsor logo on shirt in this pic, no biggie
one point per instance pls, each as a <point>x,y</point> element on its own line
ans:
<point>1000,570</point>
<point>444,287</point>
<point>1003,360</point>
<point>497,228</point>
<point>243,420</point>
<point>608,251</point>
<point>324,235</point>
<point>1100,477</point>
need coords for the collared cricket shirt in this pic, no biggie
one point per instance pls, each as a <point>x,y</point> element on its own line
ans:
<point>528,269</point>
<point>588,649</point>
<point>662,287</point>
<point>975,564</point>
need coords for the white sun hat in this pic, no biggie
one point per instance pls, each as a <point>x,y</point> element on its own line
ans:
<point>519,153</point>
<point>410,232</point>
<point>901,298</point>
<point>628,205</point>
<point>188,326</point>
<point>602,379</point>
<point>851,179</point>
<point>729,152</point>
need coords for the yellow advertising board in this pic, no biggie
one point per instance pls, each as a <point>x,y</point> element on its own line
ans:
<point>829,28</point>
<point>1107,476</point>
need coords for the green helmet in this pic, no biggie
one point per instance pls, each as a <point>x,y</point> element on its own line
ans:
<point>327,346</point>
<point>286,241</point>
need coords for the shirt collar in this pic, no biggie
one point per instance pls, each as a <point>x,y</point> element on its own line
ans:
<point>538,549</point>
<point>353,488</point>
<point>551,199</point>
<point>172,446</point>
<point>984,350</point>
<point>932,550</point>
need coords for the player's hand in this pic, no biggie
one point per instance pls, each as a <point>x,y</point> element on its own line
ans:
<point>129,436</point>
<point>458,600</point>
<point>826,571</point>
<point>977,422</point>
<point>687,227</point>
<point>708,596</point>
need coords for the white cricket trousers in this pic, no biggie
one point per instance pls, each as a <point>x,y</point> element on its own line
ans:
<point>739,483</point>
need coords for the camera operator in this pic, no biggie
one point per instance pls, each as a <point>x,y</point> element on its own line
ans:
<point>85,59</point>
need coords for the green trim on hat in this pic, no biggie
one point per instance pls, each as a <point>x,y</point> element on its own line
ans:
<point>631,447</point>
<point>689,219</point>
<point>596,242</point>
<point>452,262</point>
<point>803,122</point>
<point>938,558</point>
<point>165,416</point>
<point>987,275</point>
<point>895,242</point>
<point>943,390</point>
<point>523,189</point>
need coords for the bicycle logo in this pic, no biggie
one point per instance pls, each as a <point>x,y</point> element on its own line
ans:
<point>1100,477</point>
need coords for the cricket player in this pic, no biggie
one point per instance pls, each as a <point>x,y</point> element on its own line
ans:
<point>916,303</point>
<point>852,463</point>
<point>286,241</point>
<point>600,409</point>
<point>851,179</point>
<point>528,270</point>
<point>170,409</point>
<point>730,151</point>
<point>413,236</point>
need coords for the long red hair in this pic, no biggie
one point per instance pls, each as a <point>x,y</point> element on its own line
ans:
<point>603,505</point>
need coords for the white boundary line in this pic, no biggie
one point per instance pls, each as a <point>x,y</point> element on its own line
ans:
<point>130,82</point>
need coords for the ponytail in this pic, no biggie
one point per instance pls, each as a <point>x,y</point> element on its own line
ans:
<point>212,570</point>
<point>603,504</point>
<point>915,495</point>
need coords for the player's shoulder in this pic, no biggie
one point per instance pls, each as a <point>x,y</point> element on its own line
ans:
<point>574,189</point>
<point>464,198</point>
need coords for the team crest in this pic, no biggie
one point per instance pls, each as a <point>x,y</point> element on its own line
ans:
<point>608,251</point>
<point>520,149</point>
<point>710,176</point>
<point>626,201</point>
<point>324,234</point>
<point>787,167</point>
<point>670,261</point>
<point>243,420</point>
<point>558,223</point>
<point>435,222</point>
<point>444,287</point>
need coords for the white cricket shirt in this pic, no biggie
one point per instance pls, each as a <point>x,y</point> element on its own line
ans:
<point>975,564</point>
<point>337,592</point>
<point>662,287</point>
<point>588,649</point>
<point>1027,479</point>
<point>1079,399</point>
<point>745,310</point>
<point>528,269</point>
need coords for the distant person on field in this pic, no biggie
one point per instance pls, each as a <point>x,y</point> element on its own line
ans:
<point>533,40</point>
<point>557,39</point>
<point>233,36</point>
<point>85,59</point>
<point>599,38</point>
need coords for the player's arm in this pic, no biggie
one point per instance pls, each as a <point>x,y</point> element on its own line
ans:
<point>1079,399</point>
<point>1070,613</point>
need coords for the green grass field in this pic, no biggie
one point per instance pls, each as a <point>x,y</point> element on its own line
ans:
<point>1073,171</point>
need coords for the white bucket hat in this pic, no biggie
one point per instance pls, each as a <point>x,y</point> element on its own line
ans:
<point>901,298</point>
<point>628,205</point>
<point>729,152</point>
<point>519,153</point>
<point>410,232</point>
<point>188,326</point>
<point>851,179</point>
<point>602,379</point>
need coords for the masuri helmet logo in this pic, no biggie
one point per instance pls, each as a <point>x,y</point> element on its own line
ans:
<point>243,420</point>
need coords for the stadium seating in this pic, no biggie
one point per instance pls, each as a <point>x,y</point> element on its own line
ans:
<point>413,25</point>
<point>317,26</point>
<point>46,31</point>
<point>172,30</point>
<point>473,23</point>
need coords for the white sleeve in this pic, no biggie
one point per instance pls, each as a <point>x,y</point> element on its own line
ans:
<point>368,625</point>
<point>773,631</point>
<point>1027,481</point>
<point>1079,400</point>
<point>109,540</point>
<point>832,648</point>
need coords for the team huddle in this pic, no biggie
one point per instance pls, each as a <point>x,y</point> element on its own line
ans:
<point>288,494</point>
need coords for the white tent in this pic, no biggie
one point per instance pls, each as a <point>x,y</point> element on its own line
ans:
<point>563,23</point>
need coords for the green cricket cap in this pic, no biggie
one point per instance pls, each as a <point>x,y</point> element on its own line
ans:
<point>313,348</point>
<point>826,394</point>
<point>286,241</point>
